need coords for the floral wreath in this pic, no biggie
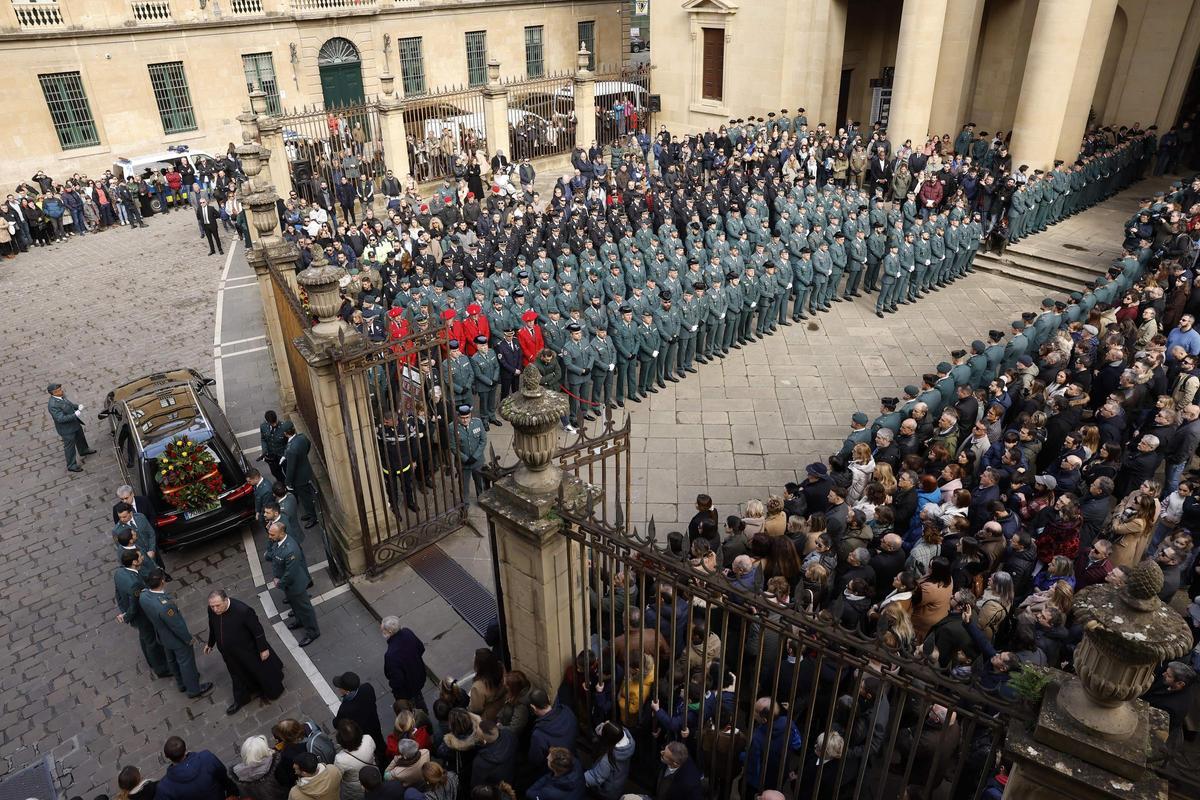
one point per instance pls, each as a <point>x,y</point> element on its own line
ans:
<point>188,475</point>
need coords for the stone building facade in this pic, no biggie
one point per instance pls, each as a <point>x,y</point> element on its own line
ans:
<point>1036,67</point>
<point>88,81</point>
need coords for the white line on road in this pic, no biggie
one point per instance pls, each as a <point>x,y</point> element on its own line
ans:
<point>337,591</point>
<point>302,660</point>
<point>307,666</point>
<point>243,341</point>
<point>241,352</point>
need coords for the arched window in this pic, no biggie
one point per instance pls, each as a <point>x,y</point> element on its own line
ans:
<point>338,51</point>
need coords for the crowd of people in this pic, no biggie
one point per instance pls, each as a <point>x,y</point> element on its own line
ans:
<point>955,528</point>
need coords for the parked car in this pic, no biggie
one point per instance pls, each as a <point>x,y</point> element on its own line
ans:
<point>140,166</point>
<point>144,416</point>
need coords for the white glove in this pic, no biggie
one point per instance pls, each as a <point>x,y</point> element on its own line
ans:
<point>927,262</point>
<point>694,327</point>
<point>789,286</point>
<point>754,304</point>
<point>79,412</point>
<point>611,367</point>
<point>721,317</point>
<point>654,354</point>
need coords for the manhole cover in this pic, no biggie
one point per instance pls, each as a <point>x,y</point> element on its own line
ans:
<point>34,781</point>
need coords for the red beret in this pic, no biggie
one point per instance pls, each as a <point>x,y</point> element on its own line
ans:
<point>448,314</point>
<point>529,316</point>
<point>495,190</point>
<point>424,206</point>
<point>474,308</point>
<point>395,312</point>
<point>470,195</point>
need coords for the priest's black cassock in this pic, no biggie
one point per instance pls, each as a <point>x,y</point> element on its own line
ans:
<point>239,636</point>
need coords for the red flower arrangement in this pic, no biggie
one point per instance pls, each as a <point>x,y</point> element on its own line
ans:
<point>188,475</point>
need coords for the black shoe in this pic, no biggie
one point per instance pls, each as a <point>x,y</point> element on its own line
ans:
<point>497,423</point>
<point>88,453</point>
<point>413,508</point>
<point>74,469</point>
<point>736,346</point>
<point>212,252</point>
<point>837,299</point>
<point>653,390</point>
<point>310,524</point>
<point>879,314</point>
<point>690,369</point>
<point>293,625</point>
<point>222,252</point>
<point>205,690</point>
<point>855,294</point>
<point>163,675</point>
<point>307,640</point>
<point>620,403</point>
<point>233,707</point>
<point>671,378</point>
<point>661,385</point>
<point>787,324</point>
<point>905,303</point>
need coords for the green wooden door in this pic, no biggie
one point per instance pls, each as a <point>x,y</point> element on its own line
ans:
<point>342,84</point>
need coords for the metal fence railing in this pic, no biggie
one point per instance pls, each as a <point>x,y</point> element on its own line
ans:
<point>622,101</point>
<point>541,116</point>
<point>445,129</point>
<point>323,144</point>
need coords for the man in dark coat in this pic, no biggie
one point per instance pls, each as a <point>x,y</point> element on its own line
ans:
<point>193,776</point>
<point>679,778</point>
<point>234,629</point>
<point>403,663</point>
<point>816,488</point>
<point>297,471</point>
<point>360,705</point>
<point>496,758</point>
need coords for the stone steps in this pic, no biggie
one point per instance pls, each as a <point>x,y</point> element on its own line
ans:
<point>1059,276</point>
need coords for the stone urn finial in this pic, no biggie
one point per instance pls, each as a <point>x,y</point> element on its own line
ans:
<point>1127,633</point>
<point>321,284</point>
<point>535,412</point>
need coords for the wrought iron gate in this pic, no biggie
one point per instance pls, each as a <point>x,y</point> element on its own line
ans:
<point>762,695</point>
<point>397,411</point>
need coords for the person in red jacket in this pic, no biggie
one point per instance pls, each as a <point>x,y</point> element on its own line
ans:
<point>175,180</point>
<point>530,337</point>
<point>930,197</point>
<point>476,324</point>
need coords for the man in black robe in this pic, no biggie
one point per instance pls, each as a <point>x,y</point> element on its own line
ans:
<point>234,629</point>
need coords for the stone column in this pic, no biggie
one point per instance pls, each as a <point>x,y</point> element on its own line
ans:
<point>956,66</point>
<point>1083,83</point>
<point>270,136</point>
<point>921,27</point>
<point>343,411</point>
<point>1054,50</point>
<point>835,45</point>
<point>495,112</point>
<point>392,132</point>
<point>1181,72</point>
<point>1092,737</point>
<point>585,100</point>
<point>539,573</point>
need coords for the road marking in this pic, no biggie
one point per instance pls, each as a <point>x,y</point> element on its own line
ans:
<point>240,352</point>
<point>243,341</point>
<point>239,280</point>
<point>260,580</point>
<point>324,690</point>
<point>337,591</point>
<point>251,432</point>
<point>235,287</point>
<point>307,667</point>
<point>249,451</point>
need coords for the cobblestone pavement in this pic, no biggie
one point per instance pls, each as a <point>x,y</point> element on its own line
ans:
<point>92,313</point>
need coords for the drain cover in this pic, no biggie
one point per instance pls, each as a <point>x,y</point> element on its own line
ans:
<point>35,781</point>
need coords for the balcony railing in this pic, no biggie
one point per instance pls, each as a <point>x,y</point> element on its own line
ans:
<point>302,6</point>
<point>154,12</point>
<point>246,8</point>
<point>34,15</point>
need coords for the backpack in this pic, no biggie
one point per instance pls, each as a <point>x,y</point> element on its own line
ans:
<point>318,742</point>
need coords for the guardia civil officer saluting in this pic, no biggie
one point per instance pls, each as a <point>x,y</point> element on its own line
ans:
<point>68,423</point>
<point>173,634</point>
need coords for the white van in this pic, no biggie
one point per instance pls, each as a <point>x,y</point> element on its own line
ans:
<point>137,166</point>
<point>607,93</point>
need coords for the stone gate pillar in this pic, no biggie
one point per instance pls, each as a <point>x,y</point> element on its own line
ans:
<point>392,131</point>
<point>1093,735</point>
<point>539,573</point>
<point>585,100</point>
<point>495,112</point>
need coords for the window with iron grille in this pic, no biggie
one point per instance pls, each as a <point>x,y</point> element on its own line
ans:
<point>412,65</point>
<point>173,98</point>
<point>535,61</point>
<point>587,37</point>
<point>260,75</point>
<point>476,58</point>
<point>69,109</point>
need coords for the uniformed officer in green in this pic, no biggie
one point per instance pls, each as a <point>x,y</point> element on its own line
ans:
<point>718,308</point>
<point>994,353</point>
<point>930,395</point>
<point>859,433</point>
<point>273,442</point>
<point>923,258</point>
<point>735,299</point>
<point>837,256</point>
<point>649,344</point>
<point>945,383</point>
<point>604,367</point>
<point>577,365</point>
<point>291,577</point>
<point>856,255</point>
<point>802,280</point>
<point>472,444</point>
<point>1016,347</point>
<point>888,417</point>
<point>625,339</point>
<point>689,325</point>
<point>486,366</point>
<point>670,324</point>
<point>458,373</point>
<point>908,266</point>
<point>68,424</point>
<point>173,634</point>
<point>888,282</point>
<point>876,250</point>
<point>129,587</point>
